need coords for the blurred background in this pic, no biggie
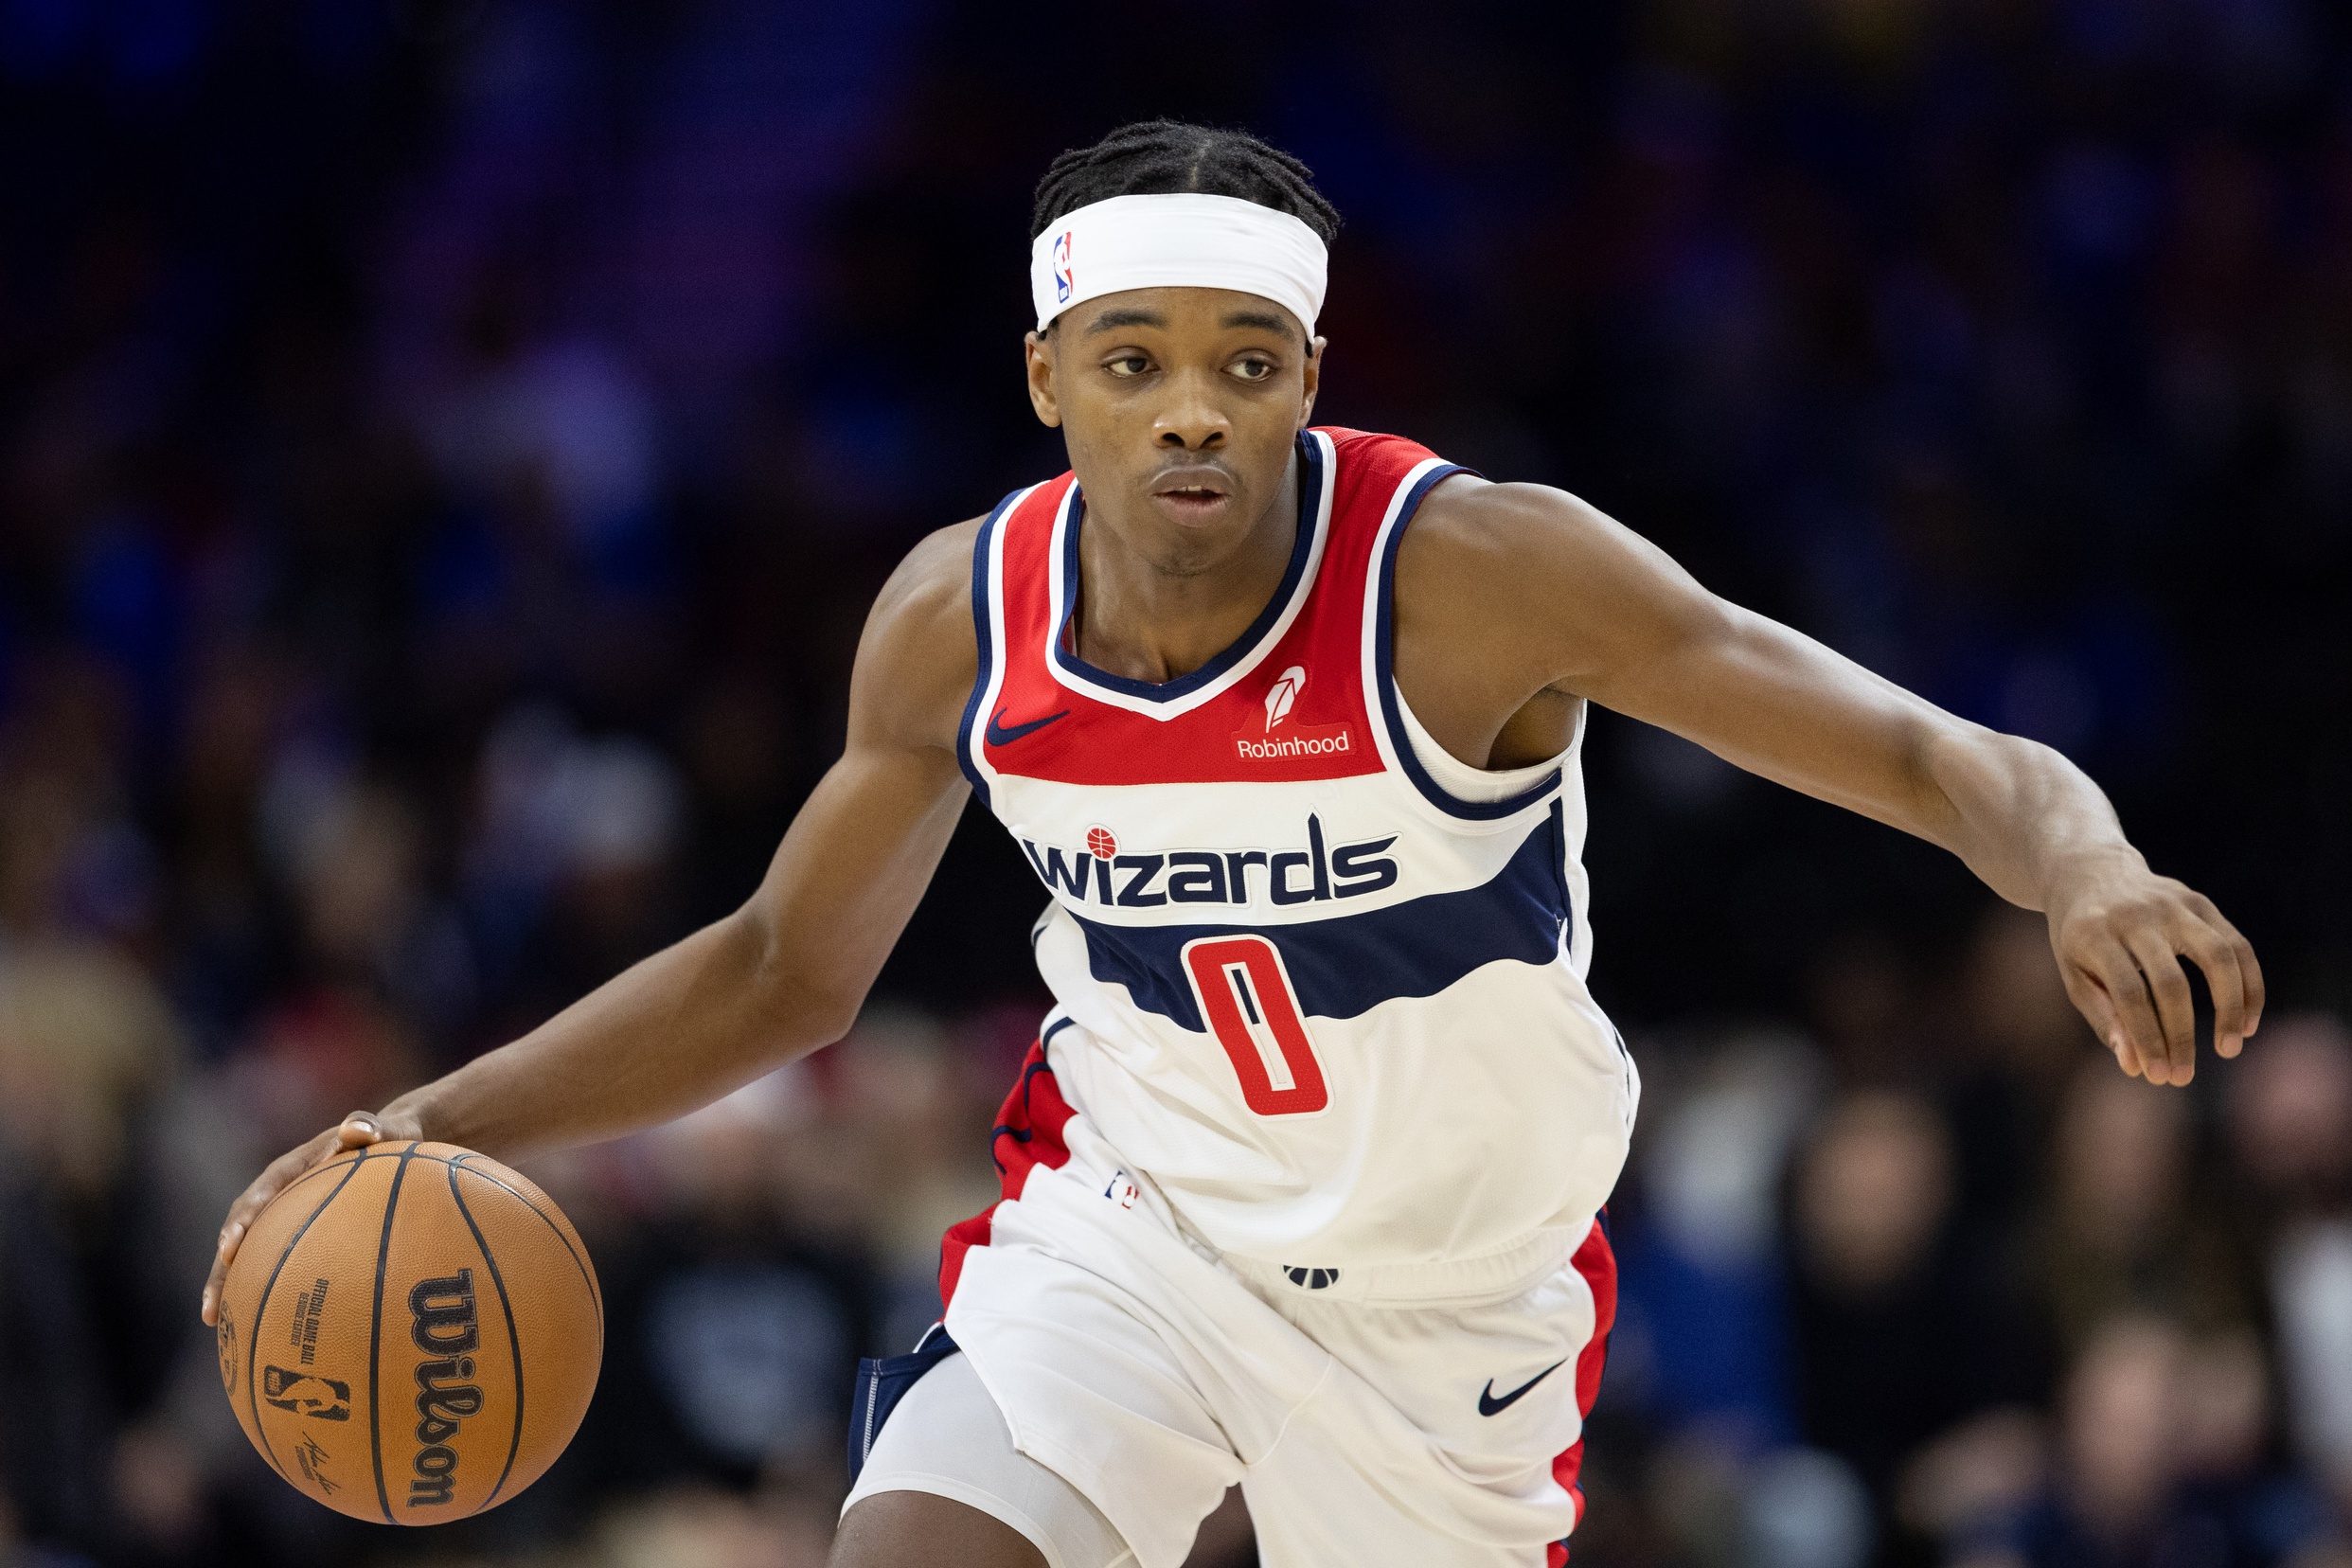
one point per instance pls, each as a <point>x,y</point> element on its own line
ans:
<point>447,449</point>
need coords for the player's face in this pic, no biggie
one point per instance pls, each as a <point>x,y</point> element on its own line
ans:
<point>1179,406</point>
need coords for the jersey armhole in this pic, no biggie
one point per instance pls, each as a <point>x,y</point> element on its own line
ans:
<point>1384,668</point>
<point>983,600</point>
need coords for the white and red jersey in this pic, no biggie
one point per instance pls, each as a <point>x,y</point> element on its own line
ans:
<point>1334,1007</point>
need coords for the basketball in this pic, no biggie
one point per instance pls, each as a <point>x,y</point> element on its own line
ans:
<point>410,1333</point>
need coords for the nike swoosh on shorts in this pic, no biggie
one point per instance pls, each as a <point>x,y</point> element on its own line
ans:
<point>1489,1405</point>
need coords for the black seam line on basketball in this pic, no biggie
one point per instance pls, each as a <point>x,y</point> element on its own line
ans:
<point>253,1346</point>
<point>375,1338</point>
<point>514,1340</point>
<point>587,1274</point>
<point>596,1295</point>
<point>331,1165</point>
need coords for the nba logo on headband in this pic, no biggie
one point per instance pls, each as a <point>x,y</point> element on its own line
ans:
<point>1064,281</point>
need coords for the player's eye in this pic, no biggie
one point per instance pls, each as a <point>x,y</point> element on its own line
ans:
<point>1126,365</point>
<point>1252,368</point>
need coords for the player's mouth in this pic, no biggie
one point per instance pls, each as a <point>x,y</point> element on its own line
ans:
<point>1192,495</point>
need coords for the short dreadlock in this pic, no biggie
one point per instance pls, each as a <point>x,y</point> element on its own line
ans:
<point>1160,156</point>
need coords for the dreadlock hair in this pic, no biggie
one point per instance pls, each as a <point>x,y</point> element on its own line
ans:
<point>1161,156</point>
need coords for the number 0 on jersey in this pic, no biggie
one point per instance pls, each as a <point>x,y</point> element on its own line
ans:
<point>1245,995</point>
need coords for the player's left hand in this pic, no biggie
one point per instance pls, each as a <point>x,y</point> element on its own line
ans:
<point>2120,932</point>
<point>358,1130</point>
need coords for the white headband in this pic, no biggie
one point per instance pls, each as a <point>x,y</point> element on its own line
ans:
<point>1182,239</point>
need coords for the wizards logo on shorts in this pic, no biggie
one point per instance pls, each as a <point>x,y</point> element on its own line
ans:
<point>1064,281</point>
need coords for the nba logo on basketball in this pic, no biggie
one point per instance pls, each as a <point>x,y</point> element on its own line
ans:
<point>1063,280</point>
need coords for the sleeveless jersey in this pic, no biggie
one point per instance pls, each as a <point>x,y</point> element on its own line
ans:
<point>1336,1012</point>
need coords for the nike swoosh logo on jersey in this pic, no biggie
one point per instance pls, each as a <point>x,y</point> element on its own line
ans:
<point>1000,733</point>
<point>1489,1405</point>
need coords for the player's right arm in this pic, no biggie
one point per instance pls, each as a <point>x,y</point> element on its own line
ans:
<point>779,977</point>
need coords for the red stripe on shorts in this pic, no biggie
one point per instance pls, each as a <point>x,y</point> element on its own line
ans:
<point>1599,1265</point>
<point>1028,1135</point>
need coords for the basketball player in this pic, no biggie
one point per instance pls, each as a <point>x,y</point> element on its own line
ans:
<point>1301,1181</point>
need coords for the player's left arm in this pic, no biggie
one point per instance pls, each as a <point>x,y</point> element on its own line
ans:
<point>1555,597</point>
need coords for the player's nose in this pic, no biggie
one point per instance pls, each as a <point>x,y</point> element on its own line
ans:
<point>1191,417</point>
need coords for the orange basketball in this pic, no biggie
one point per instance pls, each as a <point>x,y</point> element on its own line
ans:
<point>410,1333</point>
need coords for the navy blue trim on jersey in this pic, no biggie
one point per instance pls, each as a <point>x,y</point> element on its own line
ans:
<point>881,1384</point>
<point>1384,676</point>
<point>1021,1134</point>
<point>980,618</point>
<point>1349,964</point>
<point>1309,520</point>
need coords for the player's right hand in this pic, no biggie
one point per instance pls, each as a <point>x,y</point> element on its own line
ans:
<point>357,1131</point>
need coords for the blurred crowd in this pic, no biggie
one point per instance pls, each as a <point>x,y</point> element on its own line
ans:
<point>446,451</point>
<point>1939,1284</point>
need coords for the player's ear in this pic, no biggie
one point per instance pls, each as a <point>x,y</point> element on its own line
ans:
<point>1310,376</point>
<point>1043,396</point>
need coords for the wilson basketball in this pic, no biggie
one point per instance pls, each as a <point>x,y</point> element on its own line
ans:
<point>410,1333</point>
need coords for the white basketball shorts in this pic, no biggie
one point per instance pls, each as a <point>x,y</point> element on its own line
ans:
<point>1422,1414</point>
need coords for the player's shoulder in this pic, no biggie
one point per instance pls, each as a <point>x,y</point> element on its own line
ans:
<point>1460,509</point>
<point>1471,527</point>
<point>930,590</point>
<point>1508,556</point>
<point>919,653</point>
<point>1458,521</point>
<point>941,560</point>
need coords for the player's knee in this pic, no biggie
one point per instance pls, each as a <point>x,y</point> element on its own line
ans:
<point>910,1529</point>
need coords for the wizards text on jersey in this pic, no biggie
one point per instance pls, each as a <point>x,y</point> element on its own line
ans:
<point>1102,875</point>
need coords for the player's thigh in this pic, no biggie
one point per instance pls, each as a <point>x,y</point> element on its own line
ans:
<point>913,1529</point>
<point>943,1484</point>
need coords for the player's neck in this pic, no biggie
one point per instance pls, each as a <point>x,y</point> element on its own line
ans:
<point>1151,614</point>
